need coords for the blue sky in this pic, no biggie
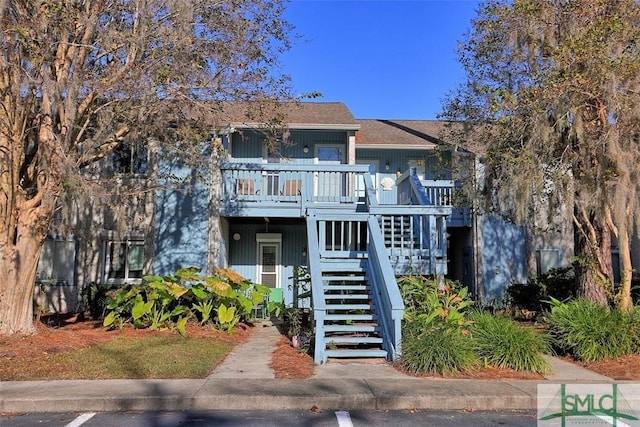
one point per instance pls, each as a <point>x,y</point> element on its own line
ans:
<point>383,59</point>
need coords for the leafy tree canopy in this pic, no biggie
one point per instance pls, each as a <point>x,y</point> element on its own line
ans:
<point>78,77</point>
<point>552,102</point>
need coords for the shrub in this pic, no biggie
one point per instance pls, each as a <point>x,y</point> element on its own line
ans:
<point>557,283</point>
<point>525,296</point>
<point>299,328</point>
<point>501,342</point>
<point>440,336</point>
<point>96,297</point>
<point>442,351</point>
<point>427,306</point>
<point>590,332</point>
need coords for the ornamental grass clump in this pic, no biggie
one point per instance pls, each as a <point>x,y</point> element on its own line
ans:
<point>435,327</point>
<point>443,351</point>
<point>501,342</point>
<point>590,332</point>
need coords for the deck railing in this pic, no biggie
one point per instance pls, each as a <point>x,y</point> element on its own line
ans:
<point>344,235</point>
<point>414,191</point>
<point>302,183</point>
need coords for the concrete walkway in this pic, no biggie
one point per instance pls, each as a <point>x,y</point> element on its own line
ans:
<point>251,359</point>
<point>566,372</point>
<point>244,381</point>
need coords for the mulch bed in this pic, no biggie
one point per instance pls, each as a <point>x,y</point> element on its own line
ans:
<point>56,334</point>
<point>289,363</point>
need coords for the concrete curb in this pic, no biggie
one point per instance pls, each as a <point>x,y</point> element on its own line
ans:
<point>243,394</point>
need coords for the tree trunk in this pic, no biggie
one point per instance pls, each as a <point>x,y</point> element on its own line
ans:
<point>623,297</point>
<point>18,268</point>
<point>594,272</point>
<point>24,226</point>
<point>215,229</point>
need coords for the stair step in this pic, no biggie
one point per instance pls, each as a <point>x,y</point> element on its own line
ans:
<point>342,267</point>
<point>326,278</point>
<point>351,328</point>
<point>350,317</point>
<point>335,286</point>
<point>358,285</point>
<point>348,307</point>
<point>352,340</point>
<point>346,296</point>
<point>346,287</point>
<point>328,295</point>
<point>356,353</point>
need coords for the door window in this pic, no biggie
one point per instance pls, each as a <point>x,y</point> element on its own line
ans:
<point>269,253</point>
<point>269,264</point>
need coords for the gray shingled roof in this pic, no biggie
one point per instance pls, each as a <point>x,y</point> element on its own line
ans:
<point>295,115</point>
<point>334,115</point>
<point>329,113</point>
<point>399,133</point>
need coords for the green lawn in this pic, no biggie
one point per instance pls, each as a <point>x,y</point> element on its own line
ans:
<point>125,357</point>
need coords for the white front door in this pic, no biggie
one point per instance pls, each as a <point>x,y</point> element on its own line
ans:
<point>269,256</point>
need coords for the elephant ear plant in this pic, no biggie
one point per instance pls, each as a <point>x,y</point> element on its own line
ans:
<point>171,301</point>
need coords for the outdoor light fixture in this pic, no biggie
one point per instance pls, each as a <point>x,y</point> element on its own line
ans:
<point>236,236</point>
<point>305,149</point>
<point>386,166</point>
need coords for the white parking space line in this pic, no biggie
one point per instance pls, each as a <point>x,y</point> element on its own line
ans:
<point>344,419</point>
<point>81,419</point>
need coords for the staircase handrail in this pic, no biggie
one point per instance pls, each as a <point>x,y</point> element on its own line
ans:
<point>419,195</point>
<point>386,291</point>
<point>411,191</point>
<point>369,191</point>
<point>317,300</point>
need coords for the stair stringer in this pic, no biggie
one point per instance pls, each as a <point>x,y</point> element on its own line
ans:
<point>387,293</point>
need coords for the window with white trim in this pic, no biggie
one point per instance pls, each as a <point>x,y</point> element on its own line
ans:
<point>124,261</point>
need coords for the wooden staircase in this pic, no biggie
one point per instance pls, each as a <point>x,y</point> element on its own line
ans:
<point>350,327</point>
